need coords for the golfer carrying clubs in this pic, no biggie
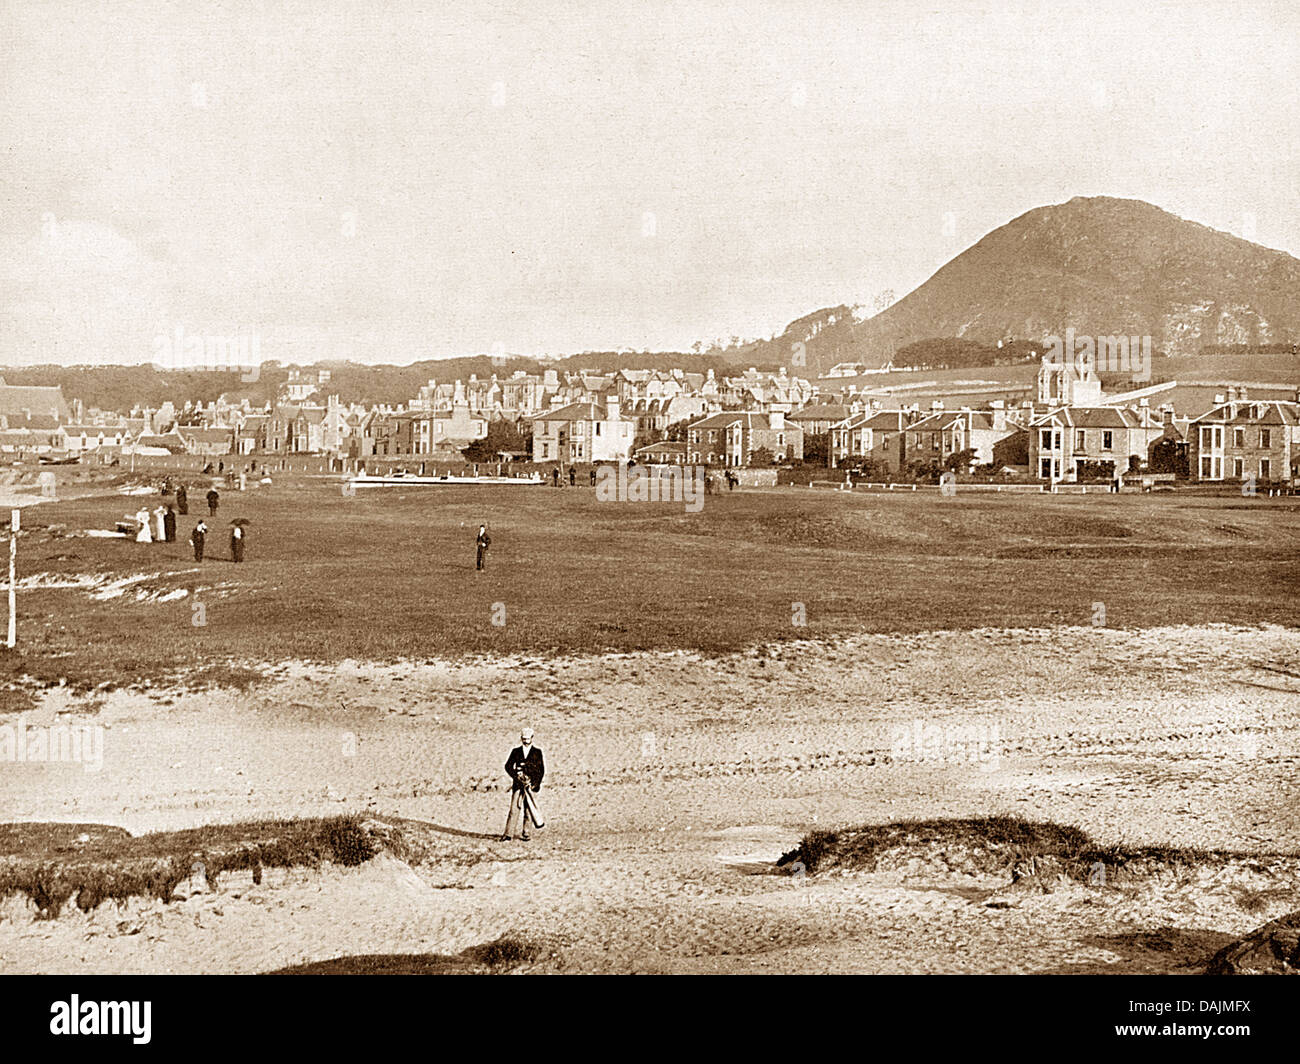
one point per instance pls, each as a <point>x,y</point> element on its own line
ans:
<point>526,768</point>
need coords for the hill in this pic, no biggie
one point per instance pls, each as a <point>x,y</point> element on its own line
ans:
<point>1099,265</point>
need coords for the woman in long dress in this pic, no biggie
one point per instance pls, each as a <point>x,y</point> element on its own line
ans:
<point>160,523</point>
<point>143,536</point>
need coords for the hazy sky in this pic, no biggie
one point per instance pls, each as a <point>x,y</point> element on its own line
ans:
<point>388,181</point>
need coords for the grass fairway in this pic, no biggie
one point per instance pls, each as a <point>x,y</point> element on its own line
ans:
<point>389,574</point>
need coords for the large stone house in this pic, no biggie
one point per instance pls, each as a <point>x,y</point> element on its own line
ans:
<point>1242,438</point>
<point>1108,436</point>
<point>583,432</point>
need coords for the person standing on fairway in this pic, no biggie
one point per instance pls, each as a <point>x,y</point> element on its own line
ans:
<point>526,768</point>
<point>237,543</point>
<point>197,539</point>
<point>483,542</point>
<point>214,497</point>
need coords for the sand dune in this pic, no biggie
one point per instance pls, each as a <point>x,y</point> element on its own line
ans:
<point>675,781</point>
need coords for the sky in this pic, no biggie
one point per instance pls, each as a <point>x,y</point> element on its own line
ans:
<point>391,182</point>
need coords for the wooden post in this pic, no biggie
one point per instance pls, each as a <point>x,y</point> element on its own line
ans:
<point>15,518</point>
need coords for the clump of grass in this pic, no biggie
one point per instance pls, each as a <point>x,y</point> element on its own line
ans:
<point>48,865</point>
<point>238,677</point>
<point>505,952</point>
<point>15,700</point>
<point>344,838</point>
<point>991,844</point>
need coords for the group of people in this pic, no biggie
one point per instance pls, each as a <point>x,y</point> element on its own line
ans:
<point>238,541</point>
<point>159,525</point>
<point>213,497</point>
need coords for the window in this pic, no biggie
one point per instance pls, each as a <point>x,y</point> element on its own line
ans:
<point>1046,440</point>
<point>1106,439</point>
<point>1239,437</point>
<point>1265,469</point>
<point>1238,468</point>
<point>1265,438</point>
<point>1080,440</point>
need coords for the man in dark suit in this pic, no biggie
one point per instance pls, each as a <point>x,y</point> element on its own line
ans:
<point>526,768</point>
<point>481,547</point>
<point>197,538</point>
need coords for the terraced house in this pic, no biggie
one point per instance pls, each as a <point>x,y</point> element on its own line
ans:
<point>944,433</point>
<point>1241,438</point>
<point>79,439</point>
<point>730,438</point>
<point>875,435</point>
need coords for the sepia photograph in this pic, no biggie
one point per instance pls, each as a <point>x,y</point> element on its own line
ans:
<point>731,487</point>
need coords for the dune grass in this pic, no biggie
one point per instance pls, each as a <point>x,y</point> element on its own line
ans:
<point>503,954</point>
<point>89,864</point>
<point>991,844</point>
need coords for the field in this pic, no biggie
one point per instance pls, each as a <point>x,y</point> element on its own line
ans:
<point>389,576</point>
<point>1122,670</point>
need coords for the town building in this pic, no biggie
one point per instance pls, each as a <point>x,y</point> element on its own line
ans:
<point>731,437</point>
<point>1075,441</point>
<point>1239,438</point>
<point>583,432</point>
